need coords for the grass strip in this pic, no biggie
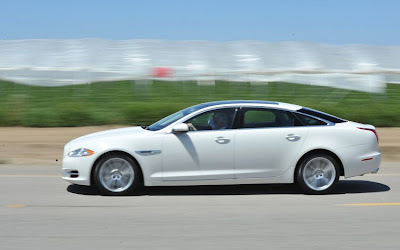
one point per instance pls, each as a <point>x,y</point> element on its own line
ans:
<point>135,103</point>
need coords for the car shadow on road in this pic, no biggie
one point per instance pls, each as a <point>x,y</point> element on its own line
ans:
<point>343,187</point>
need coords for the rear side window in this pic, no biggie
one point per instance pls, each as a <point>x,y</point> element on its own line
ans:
<point>259,116</point>
<point>265,118</point>
<point>310,121</point>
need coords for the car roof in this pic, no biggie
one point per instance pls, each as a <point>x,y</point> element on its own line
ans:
<point>253,103</point>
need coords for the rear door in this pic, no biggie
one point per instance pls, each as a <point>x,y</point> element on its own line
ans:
<point>267,142</point>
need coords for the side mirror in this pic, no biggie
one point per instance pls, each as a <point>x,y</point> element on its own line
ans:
<point>180,128</point>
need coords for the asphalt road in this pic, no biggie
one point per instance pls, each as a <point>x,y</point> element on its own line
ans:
<point>38,210</point>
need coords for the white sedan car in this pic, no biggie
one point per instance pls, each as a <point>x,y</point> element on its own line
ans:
<point>226,142</point>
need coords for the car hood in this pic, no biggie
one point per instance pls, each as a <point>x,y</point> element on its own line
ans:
<point>117,133</point>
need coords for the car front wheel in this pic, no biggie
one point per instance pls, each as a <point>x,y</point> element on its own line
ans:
<point>116,175</point>
<point>318,174</point>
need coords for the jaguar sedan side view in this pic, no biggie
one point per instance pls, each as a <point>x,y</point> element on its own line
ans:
<point>226,142</point>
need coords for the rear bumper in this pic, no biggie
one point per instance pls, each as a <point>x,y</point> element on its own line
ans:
<point>376,171</point>
<point>359,160</point>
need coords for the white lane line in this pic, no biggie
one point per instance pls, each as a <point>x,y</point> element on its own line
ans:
<point>385,175</point>
<point>370,204</point>
<point>28,176</point>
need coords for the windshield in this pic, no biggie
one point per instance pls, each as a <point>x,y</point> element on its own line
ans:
<point>174,117</point>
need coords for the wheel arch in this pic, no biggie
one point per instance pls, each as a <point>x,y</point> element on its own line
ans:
<point>321,151</point>
<point>114,152</point>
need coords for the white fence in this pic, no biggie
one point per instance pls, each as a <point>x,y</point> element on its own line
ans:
<point>63,62</point>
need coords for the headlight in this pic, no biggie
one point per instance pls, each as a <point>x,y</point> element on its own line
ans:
<point>80,152</point>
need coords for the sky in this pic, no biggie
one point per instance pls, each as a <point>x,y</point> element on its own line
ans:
<point>330,22</point>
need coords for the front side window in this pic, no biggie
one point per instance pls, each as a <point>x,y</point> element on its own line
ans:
<point>213,120</point>
<point>174,117</point>
<point>265,118</point>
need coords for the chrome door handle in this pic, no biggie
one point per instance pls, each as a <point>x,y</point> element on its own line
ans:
<point>292,137</point>
<point>222,140</point>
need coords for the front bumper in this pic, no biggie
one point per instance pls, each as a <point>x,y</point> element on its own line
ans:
<point>77,170</point>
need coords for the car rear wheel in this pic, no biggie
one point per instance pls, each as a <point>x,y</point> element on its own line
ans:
<point>116,175</point>
<point>318,174</point>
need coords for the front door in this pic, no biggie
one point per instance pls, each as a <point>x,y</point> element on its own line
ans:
<point>205,152</point>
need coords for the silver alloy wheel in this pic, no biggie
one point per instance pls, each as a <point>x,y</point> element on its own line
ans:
<point>319,173</point>
<point>116,174</point>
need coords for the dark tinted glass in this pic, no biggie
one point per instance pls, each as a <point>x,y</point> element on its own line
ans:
<point>321,115</point>
<point>310,121</point>
<point>213,120</point>
<point>174,117</point>
<point>264,118</point>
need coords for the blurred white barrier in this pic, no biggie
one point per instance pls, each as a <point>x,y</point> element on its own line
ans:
<point>64,62</point>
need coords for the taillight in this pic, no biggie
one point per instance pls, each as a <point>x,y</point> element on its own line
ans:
<point>372,130</point>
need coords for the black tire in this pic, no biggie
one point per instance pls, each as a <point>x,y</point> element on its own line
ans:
<point>317,174</point>
<point>117,174</point>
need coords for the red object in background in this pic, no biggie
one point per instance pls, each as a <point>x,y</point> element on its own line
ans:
<point>161,72</point>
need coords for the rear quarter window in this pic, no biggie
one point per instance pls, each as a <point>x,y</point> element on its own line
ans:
<point>310,121</point>
<point>321,115</point>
